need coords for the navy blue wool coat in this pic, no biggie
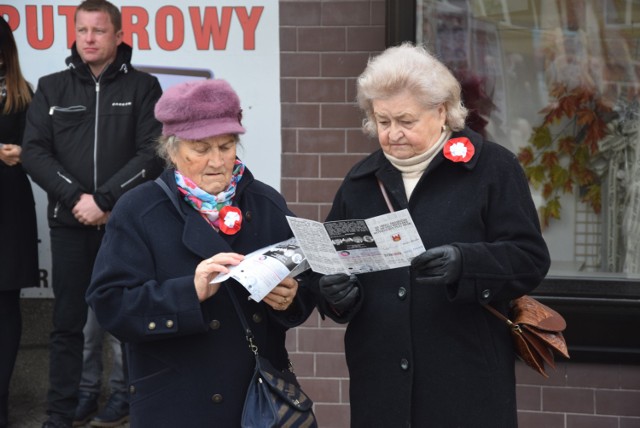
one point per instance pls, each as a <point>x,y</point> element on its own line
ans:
<point>432,356</point>
<point>189,363</point>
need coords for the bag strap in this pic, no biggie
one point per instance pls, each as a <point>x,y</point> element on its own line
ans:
<point>497,313</point>
<point>172,196</point>
<point>248,334</point>
<point>385,196</point>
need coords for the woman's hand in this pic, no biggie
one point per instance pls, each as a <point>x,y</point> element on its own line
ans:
<point>281,297</point>
<point>10,154</point>
<point>209,269</point>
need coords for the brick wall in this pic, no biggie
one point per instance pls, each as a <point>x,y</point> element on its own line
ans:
<point>324,47</point>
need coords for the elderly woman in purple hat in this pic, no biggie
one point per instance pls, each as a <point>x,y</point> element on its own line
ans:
<point>189,364</point>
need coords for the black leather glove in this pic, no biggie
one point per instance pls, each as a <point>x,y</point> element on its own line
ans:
<point>439,265</point>
<point>339,290</point>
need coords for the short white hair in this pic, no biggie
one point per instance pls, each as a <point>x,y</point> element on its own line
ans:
<point>412,68</point>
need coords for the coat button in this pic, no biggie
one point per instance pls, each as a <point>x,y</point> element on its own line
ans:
<point>152,325</point>
<point>214,324</point>
<point>132,389</point>
<point>404,364</point>
<point>402,293</point>
<point>486,294</point>
<point>257,318</point>
<point>169,324</point>
<point>248,216</point>
<point>216,398</point>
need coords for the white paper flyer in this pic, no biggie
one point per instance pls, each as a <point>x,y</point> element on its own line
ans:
<point>262,270</point>
<point>358,246</point>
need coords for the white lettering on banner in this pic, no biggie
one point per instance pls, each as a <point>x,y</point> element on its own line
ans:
<point>209,24</point>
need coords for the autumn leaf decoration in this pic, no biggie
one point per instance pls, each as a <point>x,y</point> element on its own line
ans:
<point>557,157</point>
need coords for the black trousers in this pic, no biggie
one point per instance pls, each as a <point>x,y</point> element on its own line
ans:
<point>10,332</point>
<point>73,253</point>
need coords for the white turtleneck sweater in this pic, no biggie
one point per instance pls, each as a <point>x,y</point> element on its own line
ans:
<point>413,168</point>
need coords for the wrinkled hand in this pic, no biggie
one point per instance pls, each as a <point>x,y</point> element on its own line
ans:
<point>439,265</point>
<point>340,290</point>
<point>281,297</point>
<point>209,269</point>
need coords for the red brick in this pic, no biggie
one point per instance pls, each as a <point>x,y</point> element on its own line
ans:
<point>288,90</point>
<point>529,397</point>
<point>540,420</point>
<point>378,13</point>
<point>629,423</point>
<point>337,166</point>
<point>527,376</point>
<point>289,140</point>
<point>341,116</point>
<point>343,64</point>
<point>321,340</point>
<point>629,376</point>
<point>321,39</point>
<point>321,141</point>
<point>322,390</point>
<point>332,415</point>
<point>303,363</point>
<point>346,13</point>
<point>591,421</point>
<point>593,375</point>
<point>359,142</point>
<point>299,65</point>
<point>288,39</point>
<point>300,165</point>
<point>331,365</point>
<point>300,115</point>
<point>324,211</point>
<point>321,90</point>
<point>289,190</point>
<point>309,211</point>
<point>568,400</point>
<point>369,39</point>
<point>621,403</point>
<point>299,14</point>
<point>317,190</point>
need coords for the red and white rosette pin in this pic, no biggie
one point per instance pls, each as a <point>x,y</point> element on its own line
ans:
<point>459,149</point>
<point>230,220</point>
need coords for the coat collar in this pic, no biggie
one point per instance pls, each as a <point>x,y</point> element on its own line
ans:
<point>198,235</point>
<point>122,63</point>
<point>379,165</point>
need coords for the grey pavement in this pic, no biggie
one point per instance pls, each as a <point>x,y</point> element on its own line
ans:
<point>28,392</point>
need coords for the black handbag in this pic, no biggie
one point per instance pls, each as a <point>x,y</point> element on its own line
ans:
<point>274,398</point>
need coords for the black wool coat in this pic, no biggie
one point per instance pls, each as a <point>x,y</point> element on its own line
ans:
<point>432,356</point>
<point>189,363</point>
<point>18,225</point>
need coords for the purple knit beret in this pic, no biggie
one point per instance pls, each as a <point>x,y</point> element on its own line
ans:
<point>200,109</point>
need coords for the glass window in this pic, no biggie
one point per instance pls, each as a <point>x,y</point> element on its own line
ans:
<point>557,83</point>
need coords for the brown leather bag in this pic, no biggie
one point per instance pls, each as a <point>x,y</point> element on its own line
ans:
<point>537,332</point>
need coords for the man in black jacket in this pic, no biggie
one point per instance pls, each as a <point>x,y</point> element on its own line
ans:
<point>89,138</point>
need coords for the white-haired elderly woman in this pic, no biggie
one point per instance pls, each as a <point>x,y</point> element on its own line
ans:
<point>421,349</point>
<point>188,359</point>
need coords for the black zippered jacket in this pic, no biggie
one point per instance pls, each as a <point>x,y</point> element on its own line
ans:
<point>89,134</point>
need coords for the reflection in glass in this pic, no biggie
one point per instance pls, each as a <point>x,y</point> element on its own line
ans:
<point>557,83</point>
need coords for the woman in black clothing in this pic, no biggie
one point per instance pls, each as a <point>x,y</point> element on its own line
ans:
<point>19,242</point>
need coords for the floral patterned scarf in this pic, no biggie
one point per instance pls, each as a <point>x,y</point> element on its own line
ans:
<point>208,205</point>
